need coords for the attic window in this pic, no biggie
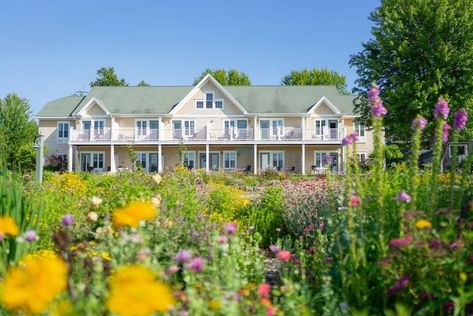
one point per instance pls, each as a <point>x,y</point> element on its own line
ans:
<point>199,104</point>
<point>209,99</point>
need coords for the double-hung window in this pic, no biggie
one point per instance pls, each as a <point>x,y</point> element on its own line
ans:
<point>188,159</point>
<point>99,127</point>
<point>62,132</point>
<point>209,100</point>
<point>230,159</point>
<point>141,127</point>
<point>359,130</point>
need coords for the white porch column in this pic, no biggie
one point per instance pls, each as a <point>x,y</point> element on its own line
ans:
<point>160,130</point>
<point>113,167</point>
<point>255,128</point>
<point>255,159</point>
<point>69,158</point>
<point>303,159</point>
<point>160,157</point>
<point>207,162</point>
<point>112,128</point>
<point>207,130</point>
<point>303,127</point>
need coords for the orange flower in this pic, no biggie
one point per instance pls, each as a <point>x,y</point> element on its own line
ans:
<point>132,214</point>
<point>8,227</point>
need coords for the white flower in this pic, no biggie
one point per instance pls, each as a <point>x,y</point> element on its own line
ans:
<point>92,216</point>
<point>156,201</point>
<point>96,201</point>
<point>157,178</point>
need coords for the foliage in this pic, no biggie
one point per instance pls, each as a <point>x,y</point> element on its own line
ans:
<point>314,77</point>
<point>225,202</point>
<point>106,76</point>
<point>420,50</point>
<point>230,77</point>
<point>17,132</point>
<point>142,83</point>
<point>56,163</point>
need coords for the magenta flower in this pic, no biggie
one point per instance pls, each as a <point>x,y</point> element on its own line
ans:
<point>196,264</point>
<point>446,128</point>
<point>30,236</point>
<point>419,122</point>
<point>172,269</point>
<point>461,116</point>
<point>229,228</point>
<point>399,284</point>
<point>377,107</point>
<point>67,220</point>
<point>350,139</point>
<point>373,94</point>
<point>379,110</point>
<point>403,197</point>
<point>355,201</point>
<point>182,256</point>
<point>441,107</point>
<point>284,255</point>
<point>401,242</point>
<point>327,160</point>
<point>222,240</point>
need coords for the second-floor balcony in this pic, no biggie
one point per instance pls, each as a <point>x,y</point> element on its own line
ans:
<point>134,135</point>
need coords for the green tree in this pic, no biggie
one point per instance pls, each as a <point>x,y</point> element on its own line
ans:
<point>17,132</point>
<point>231,77</point>
<point>420,50</point>
<point>108,77</point>
<point>142,83</point>
<point>307,77</point>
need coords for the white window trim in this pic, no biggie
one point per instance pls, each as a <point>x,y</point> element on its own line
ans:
<point>204,100</point>
<point>361,139</point>
<point>199,100</point>
<point>458,145</point>
<point>271,158</point>
<point>148,162</point>
<point>215,104</point>
<point>235,120</point>
<point>271,119</point>
<point>210,152</point>
<point>359,153</point>
<point>91,162</point>
<point>236,159</point>
<point>327,153</point>
<point>195,157</point>
<point>62,140</point>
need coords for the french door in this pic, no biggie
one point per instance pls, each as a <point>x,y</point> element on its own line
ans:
<point>183,128</point>
<point>271,128</point>
<point>214,160</point>
<point>92,161</point>
<point>272,160</point>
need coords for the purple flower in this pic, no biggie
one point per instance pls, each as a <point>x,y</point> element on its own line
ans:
<point>373,94</point>
<point>327,160</point>
<point>434,244</point>
<point>401,242</point>
<point>441,107</point>
<point>448,306</point>
<point>172,269</point>
<point>446,128</point>
<point>196,264</point>
<point>67,220</point>
<point>222,240</point>
<point>350,139</point>
<point>461,116</point>
<point>403,197</point>
<point>182,256</point>
<point>399,284</point>
<point>229,228</point>
<point>379,110</point>
<point>30,236</point>
<point>419,122</point>
<point>274,248</point>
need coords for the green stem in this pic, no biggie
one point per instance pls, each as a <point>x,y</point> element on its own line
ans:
<point>453,167</point>
<point>414,166</point>
<point>436,164</point>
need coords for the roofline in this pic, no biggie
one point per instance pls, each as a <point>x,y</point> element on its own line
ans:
<point>89,104</point>
<point>328,102</point>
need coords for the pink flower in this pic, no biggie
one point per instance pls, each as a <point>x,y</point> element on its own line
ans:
<point>446,128</point>
<point>399,284</point>
<point>222,240</point>
<point>284,255</point>
<point>196,264</point>
<point>230,228</point>
<point>377,107</point>
<point>441,107</point>
<point>403,197</point>
<point>461,116</point>
<point>274,248</point>
<point>182,256</point>
<point>67,220</point>
<point>355,201</point>
<point>350,139</point>
<point>401,242</point>
<point>264,289</point>
<point>270,311</point>
<point>172,269</point>
<point>419,122</point>
<point>30,236</point>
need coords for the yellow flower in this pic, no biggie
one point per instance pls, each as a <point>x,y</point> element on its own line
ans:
<point>215,305</point>
<point>157,178</point>
<point>106,256</point>
<point>423,224</point>
<point>8,226</point>
<point>32,286</point>
<point>132,214</point>
<point>134,291</point>
<point>463,276</point>
<point>61,308</point>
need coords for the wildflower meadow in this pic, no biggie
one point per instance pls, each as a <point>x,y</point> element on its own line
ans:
<point>377,240</point>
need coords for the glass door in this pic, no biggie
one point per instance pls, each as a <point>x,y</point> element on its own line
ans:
<point>86,130</point>
<point>153,162</point>
<point>99,127</point>
<point>153,129</point>
<point>214,161</point>
<point>98,161</point>
<point>84,162</point>
<point>177,129</point>
<point>319,128</point>
<point>265,161</point>
<point>202,160</point>
<point>189,128</point>
<point>264,126</point>
<point>333,129</point>
<point>277,128</point>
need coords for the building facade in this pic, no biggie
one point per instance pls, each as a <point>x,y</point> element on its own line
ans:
<point>209,126</point>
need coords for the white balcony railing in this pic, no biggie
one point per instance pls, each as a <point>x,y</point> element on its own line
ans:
<point>127,135</point>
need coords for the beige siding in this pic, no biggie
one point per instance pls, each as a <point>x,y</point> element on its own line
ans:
<point>94,110</point>
<point>48,128</point>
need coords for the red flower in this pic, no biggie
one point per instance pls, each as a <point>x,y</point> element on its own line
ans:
<point>264,289</point>
<point>284,255</point>
<point>401,242</point>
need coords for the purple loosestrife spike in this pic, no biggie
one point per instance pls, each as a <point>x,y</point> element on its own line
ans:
<point>274,248</point>
<point>446,128</point>
<point>403,197</point>
<point>419,122</point>
<point>196,264</point>
<point>350,139</point>
<point>327,160</point>
<point>377,107</point>
<point>378,110</point>
<point>229,228</point>
<point>182,256</point>
<point>373,94</point>
<point>399,284</point>
<point>67,220</point>
<point>441,107</point>
<point>461,116</point>
<point>401,242</point>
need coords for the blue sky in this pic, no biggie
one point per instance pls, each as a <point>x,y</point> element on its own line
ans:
<point>51,49</point>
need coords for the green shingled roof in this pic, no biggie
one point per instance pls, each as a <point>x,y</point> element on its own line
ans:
<point>61,107</point>
<point>160,100</point>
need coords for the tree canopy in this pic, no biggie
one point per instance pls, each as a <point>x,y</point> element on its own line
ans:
<point>108,77</point>
<point>315,76</point>
<point>231,77</point>
<point>17,132</point>
<point>142,83</point>
<point>420,50</point>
